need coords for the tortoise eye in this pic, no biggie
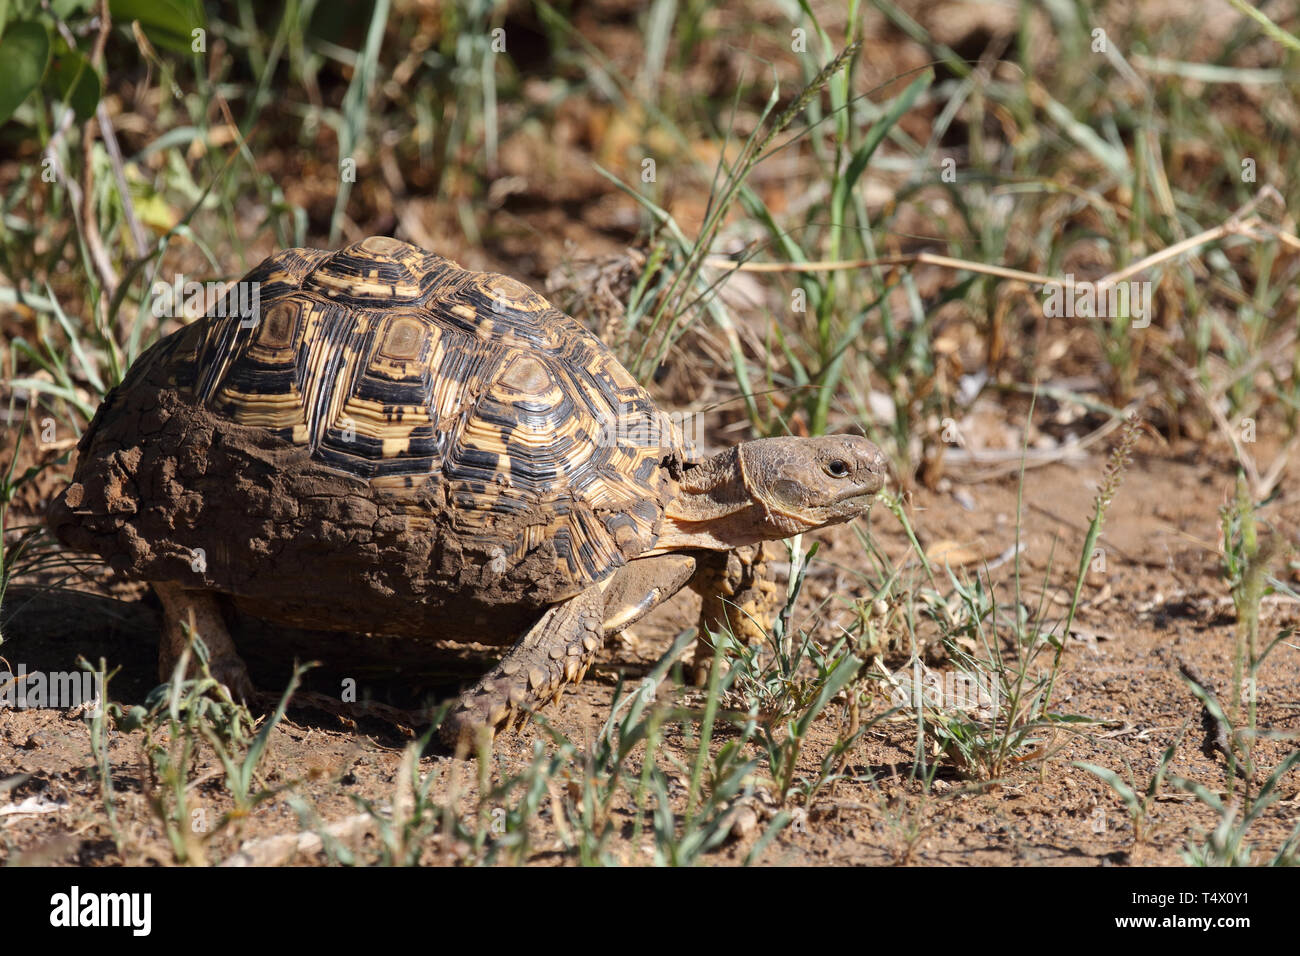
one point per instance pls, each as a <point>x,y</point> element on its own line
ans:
<point>837,468</point>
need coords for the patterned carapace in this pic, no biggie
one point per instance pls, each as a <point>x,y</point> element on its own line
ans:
<point>398,367</point>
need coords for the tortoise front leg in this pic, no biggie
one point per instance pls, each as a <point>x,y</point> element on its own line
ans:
<point>740,596</point>
<point>642,585</point>
<point>556,651</point>
<point>200,611</point>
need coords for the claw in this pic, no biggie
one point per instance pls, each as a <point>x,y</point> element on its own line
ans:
<point>557,650</point>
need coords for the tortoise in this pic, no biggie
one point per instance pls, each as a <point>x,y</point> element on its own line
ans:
<point>386,443</point>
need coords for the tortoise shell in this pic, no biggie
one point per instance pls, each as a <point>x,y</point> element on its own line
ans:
<point>389,435</point>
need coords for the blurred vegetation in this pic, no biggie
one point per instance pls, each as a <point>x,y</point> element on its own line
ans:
<point>177,137</point>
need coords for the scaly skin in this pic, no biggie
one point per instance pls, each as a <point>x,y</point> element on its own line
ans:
<point>555,652</point>
<point>638,588</point>
<point>739,596</point>
<point>199,609</point>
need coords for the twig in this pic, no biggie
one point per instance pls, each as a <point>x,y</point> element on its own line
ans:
<point>1242,222</point>
<point>89,226</point>
<point>1216,735</point>
<point>1260,485</point>
<point>138,236</point>
<point>1012,461</point>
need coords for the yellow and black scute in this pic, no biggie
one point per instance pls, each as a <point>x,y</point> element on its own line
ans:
<point>397,428</point>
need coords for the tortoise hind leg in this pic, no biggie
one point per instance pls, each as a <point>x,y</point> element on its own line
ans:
<point>556,651</point>
<point>200,611</point>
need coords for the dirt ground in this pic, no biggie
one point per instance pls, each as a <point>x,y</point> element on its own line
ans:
<point>1160,601</point>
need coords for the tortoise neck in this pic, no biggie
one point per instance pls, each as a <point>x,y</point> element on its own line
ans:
<point>714,507</point>
<point>713,488</point>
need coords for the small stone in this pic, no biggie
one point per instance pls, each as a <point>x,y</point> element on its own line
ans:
<point>744,821</point>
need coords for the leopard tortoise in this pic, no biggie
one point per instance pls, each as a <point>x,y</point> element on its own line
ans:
<point>393,445</point>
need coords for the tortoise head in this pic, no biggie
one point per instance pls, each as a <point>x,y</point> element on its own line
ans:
<point>807,483</point>
<point>772,488</point>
